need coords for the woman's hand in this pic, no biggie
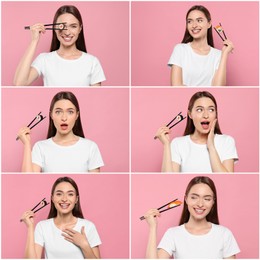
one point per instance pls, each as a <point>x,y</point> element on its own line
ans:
<point>151,217</point>
<point>211,135</point>
<point>163,134</point>
<point>27,218</point>
<point>24,135</point>
<point>75,237</point>
<point>228,46</point>
<point>36,30</point>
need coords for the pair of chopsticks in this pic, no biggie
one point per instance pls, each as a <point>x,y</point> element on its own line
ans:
<point>170,205</point>
<point>51,26</point>
<point>43,203</point>
<point>179,118</point>
<point>38,119</point>
<point>219,29</point>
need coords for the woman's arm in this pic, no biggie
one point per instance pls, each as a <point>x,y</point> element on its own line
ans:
<point>27,165</point>
<point>216,164</point>
<point>32,250</point>
<point>230,257</point>
<point>80,240</point>
<point>167,165</point>
<point>220,76</point>
<point>176,76</point>
<point>25,74</point>
<point>97,85</point>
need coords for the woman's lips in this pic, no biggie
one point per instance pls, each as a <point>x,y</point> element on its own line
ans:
<point>205,125</point>
<point>64,126</point>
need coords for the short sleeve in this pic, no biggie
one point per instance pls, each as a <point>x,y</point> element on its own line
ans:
<point>95,160</point>
<point>175,152</point>
<point>230,244</point>
<point>97,73</point>
<point>38,63</point>
<point>167,243</point>
<point>229,149</point>
<point>38,235</point>
<point>93,236</point>
<point>36,155</point>
<point>176,57</point>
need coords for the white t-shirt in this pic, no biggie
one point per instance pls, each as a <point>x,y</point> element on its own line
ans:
<point>82,156</point>
<point>56,71</point>
<point>49,236</point>
<point>197,70</point>
<point>194,157</point>
<point>218,243</point>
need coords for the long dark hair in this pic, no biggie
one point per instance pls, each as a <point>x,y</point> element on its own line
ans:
<point>77,211</point>
<point>70,9</point>
<point>187,37</point>
<point>77,129</point>
<point>213,214</point>
<point>190,128</point>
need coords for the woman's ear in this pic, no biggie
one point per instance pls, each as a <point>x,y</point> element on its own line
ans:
<point>189,114</point>
<point>210,24</point>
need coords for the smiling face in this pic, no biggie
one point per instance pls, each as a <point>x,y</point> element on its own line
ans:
<point>197,24</point>
<point>200,201</point>
<point>64,198</point>
<point>64,116</point>
<point>73,28</point>
<point>203,113</point>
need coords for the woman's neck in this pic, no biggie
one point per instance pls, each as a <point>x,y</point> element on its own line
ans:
<point>198,227</point>
<point>66,139</point>
<point>199,138</point>
<point>65,220</point>
<point>200,46</point>
<point>70,52</point>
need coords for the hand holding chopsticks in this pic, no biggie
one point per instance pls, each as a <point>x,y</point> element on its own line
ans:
<point>38,119</point>
<point>43,203</point>
<point>51,26</point>
<point>170,205</point>
<point>171,124</point>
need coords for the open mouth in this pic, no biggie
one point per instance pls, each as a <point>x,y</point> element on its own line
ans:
<point>64,126</point>
<point>199,211</point>
<point>195,31</point>
<point>64,205</point>
<point>205,125</point>
<point>67,38</point>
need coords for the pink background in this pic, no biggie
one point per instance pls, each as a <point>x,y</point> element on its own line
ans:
<point>238,111</point>
<point>106,28</point>
<point>238,207</point>
<point>106,205</point>
<point>104,115</point>
<point>158,26</point>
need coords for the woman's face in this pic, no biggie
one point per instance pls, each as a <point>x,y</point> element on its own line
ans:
<point>68,37</point>
<point>200,201</point>
<point>64,198</point>
<point>197,24</point>
<point>203,114</point>
<point>64,116</point>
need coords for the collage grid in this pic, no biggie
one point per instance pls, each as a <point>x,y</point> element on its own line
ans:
<point>134,43</point>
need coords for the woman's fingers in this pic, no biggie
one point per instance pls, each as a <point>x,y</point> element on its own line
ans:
<point>162,132</point>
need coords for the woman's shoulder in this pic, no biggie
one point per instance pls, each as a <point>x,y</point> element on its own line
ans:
<point>45,223</point>
<point>175,230</point>
<point>221,229</point>
<point>85,222</point>
<point>181,46</point>
<point>215,51</point>
<point>224,138</point>
<point>85,141</point>
<point>44,142</point>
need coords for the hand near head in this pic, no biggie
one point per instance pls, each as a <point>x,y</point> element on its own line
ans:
<point>36,31</point>
<point>163,134</point>
<point>24,135</point>
<point>151,217</point>
<point>211,135</point>
<point>27,218</point>
<point>228,46</point>
<point>75,237</point>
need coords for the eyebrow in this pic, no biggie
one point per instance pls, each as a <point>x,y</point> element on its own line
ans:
<point>65,191</point>
<point>190,19</point>
<point>59,108</point>
<point>208,106</point>
<point>195,194</point>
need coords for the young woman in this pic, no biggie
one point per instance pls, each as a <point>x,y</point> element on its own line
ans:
<point>199,234</point>
<point>67,63</point>
<point>195,62</point>
<point>203,148</point>
<point>65,234</point>
<point>65,149</point>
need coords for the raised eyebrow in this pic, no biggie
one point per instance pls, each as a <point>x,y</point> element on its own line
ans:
<point>66,191</point>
